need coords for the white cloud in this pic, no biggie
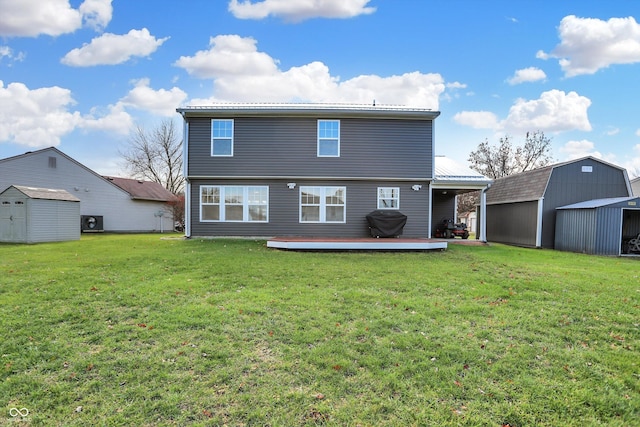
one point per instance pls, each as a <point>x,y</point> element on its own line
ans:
<point>299,10</point>
<point>7,53</point>
<point>111,49</point>
<point>30,18</point>
<point>578,149</point>
<point>477,119</point>
<point>241,73</point>
<point>161,102</point>
<point>612,131</point>
<point>228,55</point>
<point>35,118</point>
<point>96,13</point>
<point>41,117</point>
<point>638,132</point>
<point>456,85</point>
<point>588,45</point>
<point>525,75</point>
<point>554,111</point>
<point>112,119</point>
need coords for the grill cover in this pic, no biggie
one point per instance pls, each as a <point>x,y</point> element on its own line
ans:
<point>386,223</point>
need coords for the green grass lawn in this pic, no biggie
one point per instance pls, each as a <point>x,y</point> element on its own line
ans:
<point>143,331</point>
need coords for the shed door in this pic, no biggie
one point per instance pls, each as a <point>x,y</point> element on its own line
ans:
<point>13,220</point>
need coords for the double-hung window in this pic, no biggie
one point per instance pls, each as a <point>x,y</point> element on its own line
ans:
<point>234,203</point>
<point>328,138</point>
<point>388,198</point>
<point>323,204</point>
<point>222,137</point>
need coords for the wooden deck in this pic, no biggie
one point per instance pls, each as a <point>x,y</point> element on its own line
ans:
<point>355,244</point>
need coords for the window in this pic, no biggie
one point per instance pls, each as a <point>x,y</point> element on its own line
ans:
<point>52,162</point>
<point>388,198</point>
<point>234,203</point>
<point>328,138</point>
<point>322,204</point>
<point>222,137</point>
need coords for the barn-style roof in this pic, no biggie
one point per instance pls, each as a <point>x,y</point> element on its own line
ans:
<point>46,193</point>
<point>527,186</point>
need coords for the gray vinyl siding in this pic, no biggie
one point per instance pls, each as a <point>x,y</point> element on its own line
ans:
<point>284,209</point>
<point>568,184</point>
<point>287,147</point>
<point>513,223</point>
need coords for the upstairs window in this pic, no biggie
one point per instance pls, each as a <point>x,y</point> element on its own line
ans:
<point>222,137</point>
<point>328,138</point>
<point>388,198</point>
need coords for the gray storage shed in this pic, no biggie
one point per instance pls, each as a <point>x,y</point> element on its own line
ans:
<point>33,215</point>
<point>599,227</point>
<point>521,208</point>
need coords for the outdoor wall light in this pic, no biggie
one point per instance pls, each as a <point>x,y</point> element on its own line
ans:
<point>291,185</point>
<point>416,187</point>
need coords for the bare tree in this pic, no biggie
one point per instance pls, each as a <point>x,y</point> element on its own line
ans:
<point>505,159</point>
<point>156,155</point>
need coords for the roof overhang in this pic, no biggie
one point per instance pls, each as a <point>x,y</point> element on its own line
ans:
<point>309,110</point>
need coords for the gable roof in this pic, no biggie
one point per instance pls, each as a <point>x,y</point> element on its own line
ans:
<point>137,190</point>
<point>529,185</point>
<point>143,190</point>
<point>54,150</point>
<point>45,193</point>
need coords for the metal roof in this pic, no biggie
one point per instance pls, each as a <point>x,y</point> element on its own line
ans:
<point>598,203</point>
<point>46,193</point>
<point>265,109</point>
<point>447,169</point>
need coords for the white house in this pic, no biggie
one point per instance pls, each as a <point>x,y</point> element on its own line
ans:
<point>121,205</point>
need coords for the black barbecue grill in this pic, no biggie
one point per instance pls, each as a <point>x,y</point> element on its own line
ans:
<point>386,223</point>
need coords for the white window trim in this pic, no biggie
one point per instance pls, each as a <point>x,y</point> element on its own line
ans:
<point>397,199</point>
<point>232,137</point>
<point>323,204</point>
<point>245,203</point>
<point>327,139</point>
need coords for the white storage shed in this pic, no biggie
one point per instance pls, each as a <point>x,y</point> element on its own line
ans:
<point>33,215</point>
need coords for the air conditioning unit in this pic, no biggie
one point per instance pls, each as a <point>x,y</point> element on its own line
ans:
<point>91,224</point>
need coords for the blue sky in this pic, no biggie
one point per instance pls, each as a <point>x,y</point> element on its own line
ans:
<point>80,75</point>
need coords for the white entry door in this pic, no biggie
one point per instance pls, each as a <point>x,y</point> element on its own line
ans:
<point>13,220</point>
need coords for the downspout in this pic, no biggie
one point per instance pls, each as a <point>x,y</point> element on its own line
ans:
<point>185,172</point>
<point>429,219</point>
<point>539,223</point>
<point>483,214</point>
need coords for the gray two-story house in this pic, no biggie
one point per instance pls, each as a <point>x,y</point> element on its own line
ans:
<point>306,169</point>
